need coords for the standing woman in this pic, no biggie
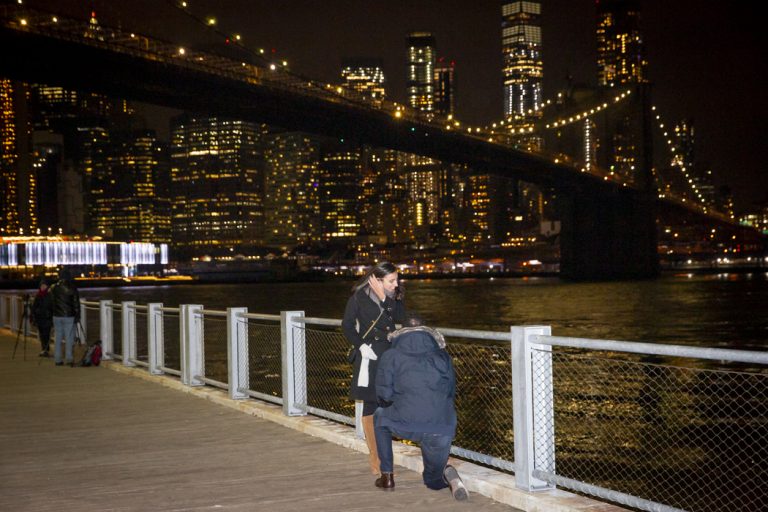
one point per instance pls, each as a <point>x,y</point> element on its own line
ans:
<point>372,311</point>
<point>42,316</point>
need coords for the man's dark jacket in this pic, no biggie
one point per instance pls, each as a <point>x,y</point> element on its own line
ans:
<point>416,376</point>
<point>66,300</point>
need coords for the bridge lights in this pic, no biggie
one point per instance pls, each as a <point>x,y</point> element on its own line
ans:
<point>272,67</point>
<point>211,21</point>
<point>23,22</point>
<point>182,51</point>
<point>398,114</point>
<point>55,19</point>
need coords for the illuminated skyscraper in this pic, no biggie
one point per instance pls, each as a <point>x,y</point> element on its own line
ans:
<point>18,201</point>
<point>420,74</point>
<point>291,193</point>
<point>445,96</point>
<point>620,52</point>
<point>130,193</point>
<point>217,184</point>
<point>340,173</point>
<point>523,66</point>
<point>365,76</point>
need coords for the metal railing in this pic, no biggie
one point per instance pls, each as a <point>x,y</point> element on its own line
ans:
<point>653,427</point>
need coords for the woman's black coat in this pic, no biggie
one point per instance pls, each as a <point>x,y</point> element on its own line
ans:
<point>362,311</point>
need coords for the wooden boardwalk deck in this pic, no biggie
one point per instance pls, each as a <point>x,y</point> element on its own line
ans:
<point>86,439</point>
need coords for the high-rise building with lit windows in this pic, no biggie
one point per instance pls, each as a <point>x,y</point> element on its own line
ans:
<point>620,51</point>
<point>364,75</point>
<point>420,73</point>
<point>291,191</point>
<point>340,173</point>
<point>523,66</point>
<point>130,193</point>
<point>217,185</point>
<point>444,80</point>
<point>18,204</point>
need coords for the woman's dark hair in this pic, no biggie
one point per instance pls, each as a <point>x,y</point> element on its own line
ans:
<point>379,270</point>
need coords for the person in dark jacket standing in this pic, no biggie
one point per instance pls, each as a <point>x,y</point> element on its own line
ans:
<point>66,311</point>
<point>372,312</point>
<point>416,385</point>
<point>42,316</point>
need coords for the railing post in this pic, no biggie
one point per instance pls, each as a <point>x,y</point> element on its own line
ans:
<point>84,321</point>
<point>532,408</point>
<point>105,328</point>
<point>294,364</point>
<point>237,353</point>
<point>129,333</point>
<point>191,329</point>
<point>3,310</point>
<point>155,338</point>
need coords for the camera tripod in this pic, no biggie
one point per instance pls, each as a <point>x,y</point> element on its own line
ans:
<point>24,328</point>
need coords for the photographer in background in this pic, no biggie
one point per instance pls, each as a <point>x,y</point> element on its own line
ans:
<point>66,311</point>
<point>42,316</point>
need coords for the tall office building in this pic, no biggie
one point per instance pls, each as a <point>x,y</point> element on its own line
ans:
<point>444,80</point>
<point>340,173</point>
<point>690,177</point>
<point>420,73</point>
<point>18,203</point>
<point>620,52</point>
<point>217,185</point>
<point>365,76</point>
<point>130,192</point>
<point>291,191</point>
<point>523,65</point>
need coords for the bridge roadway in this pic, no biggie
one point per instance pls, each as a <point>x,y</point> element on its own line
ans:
<point>86,439</point>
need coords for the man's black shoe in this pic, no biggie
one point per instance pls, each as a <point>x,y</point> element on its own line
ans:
<point>386,482</point>
<point>458,489</point>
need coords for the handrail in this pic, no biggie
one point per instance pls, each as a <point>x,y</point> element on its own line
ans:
<point>711,353</point>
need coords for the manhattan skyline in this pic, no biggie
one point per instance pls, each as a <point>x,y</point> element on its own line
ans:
<point>701,59</point>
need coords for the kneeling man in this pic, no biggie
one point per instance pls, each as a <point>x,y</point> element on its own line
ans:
<point>415,384</point>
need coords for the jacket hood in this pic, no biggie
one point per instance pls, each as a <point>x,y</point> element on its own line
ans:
<point>415,346</point>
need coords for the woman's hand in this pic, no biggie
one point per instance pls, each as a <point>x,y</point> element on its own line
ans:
<point>377,288</point>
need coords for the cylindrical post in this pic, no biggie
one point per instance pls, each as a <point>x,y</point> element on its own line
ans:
<point>155,338</point>
<point>84,321</point>
<point>294,364</point>
<point>105,328</point>
<point>191,328</point>
<point>532,409</point>
<point>129,333</point>
<point>237,353</point>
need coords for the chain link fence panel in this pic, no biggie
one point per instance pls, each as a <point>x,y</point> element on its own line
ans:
<point>142,339</point>
<point>264,358</point>
<point>483,397</point>
<point>328,372</point>
<point>171,340</point>
<point>690,438</point>
<point>215,348</point>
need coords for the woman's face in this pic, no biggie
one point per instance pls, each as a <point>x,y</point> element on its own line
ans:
<point>389,282</point>
<point>43,287</point>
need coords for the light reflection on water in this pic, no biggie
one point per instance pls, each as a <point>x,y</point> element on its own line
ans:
<point>713,310</point>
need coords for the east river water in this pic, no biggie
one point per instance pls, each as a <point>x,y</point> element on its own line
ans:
<point>722,310</point>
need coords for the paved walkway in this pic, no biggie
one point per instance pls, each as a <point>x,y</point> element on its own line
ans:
<point>85,439</point>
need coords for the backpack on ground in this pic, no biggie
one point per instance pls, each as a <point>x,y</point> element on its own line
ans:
<point>92,356</point>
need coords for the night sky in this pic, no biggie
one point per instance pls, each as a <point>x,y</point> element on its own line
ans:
<point>706,58</point>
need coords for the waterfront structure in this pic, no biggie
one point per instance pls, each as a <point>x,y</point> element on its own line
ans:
<point>445,87</point>
<point>130,193</point>
<point>620,50</point>
<point>365,76</point>
<point>420,71</point>
<point>291,190</point>
<point>27,257</point>
<point>217,184</point>
<point>523,71</point>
